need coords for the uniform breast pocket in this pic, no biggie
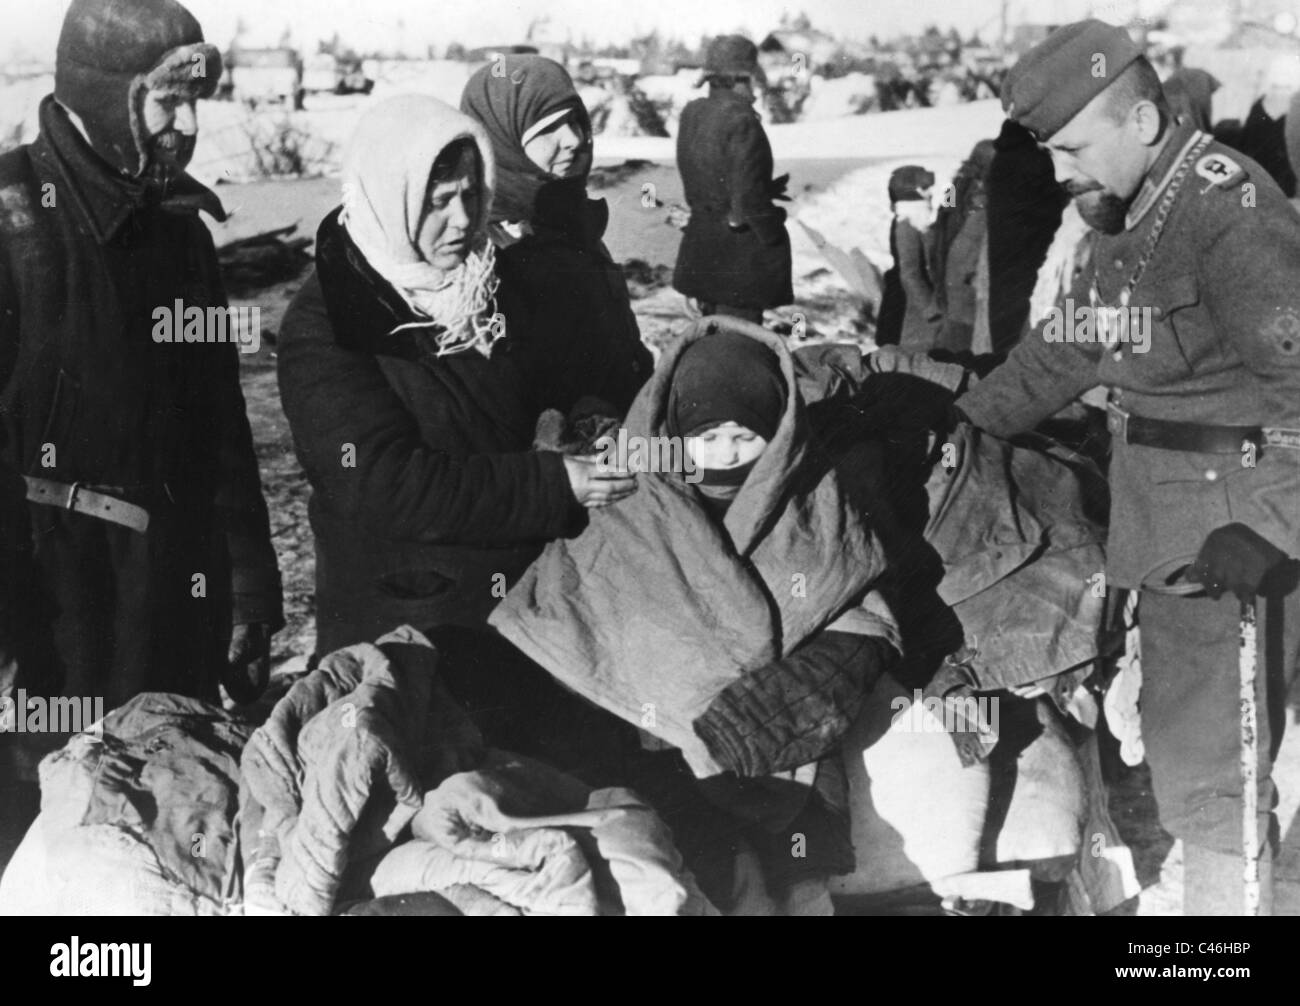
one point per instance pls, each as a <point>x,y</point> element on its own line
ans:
<point>1172,335</point>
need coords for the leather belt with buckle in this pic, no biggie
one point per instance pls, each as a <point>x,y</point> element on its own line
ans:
<point>80,499</point>
<point>1199,438</point>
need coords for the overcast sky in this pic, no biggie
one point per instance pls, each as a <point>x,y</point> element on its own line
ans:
<point>368,24</point>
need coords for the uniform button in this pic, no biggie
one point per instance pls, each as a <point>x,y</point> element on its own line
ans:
<point>1211,475</point>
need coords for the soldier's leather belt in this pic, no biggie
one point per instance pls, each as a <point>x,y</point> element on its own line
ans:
<point>80,498</point>
<point>1199,438</point>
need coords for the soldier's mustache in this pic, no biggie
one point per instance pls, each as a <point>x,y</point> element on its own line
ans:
<point>172,147</point>
<point>1103,211</point>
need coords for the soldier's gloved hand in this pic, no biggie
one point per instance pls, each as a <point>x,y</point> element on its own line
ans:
<point>1234,558</point>
<point>248,662</point>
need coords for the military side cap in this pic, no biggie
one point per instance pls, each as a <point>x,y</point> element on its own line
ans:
<point>1052,82</point>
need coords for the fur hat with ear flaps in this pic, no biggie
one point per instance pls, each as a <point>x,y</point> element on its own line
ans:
<point>111,52</point>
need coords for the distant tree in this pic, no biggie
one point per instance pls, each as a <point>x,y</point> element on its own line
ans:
<point>455,51</point>
<point>676,51</point>
<point>646,48</point>
<point>536,28</point>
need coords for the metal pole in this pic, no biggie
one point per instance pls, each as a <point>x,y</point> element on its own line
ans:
<point>1249,757</point>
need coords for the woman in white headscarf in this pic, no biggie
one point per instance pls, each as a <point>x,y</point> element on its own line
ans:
<point>409,410</point>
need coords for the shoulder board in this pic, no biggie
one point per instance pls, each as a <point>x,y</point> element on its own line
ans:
<point>1219,170</point>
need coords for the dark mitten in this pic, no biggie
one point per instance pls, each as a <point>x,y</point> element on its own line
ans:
<point>1235,559</point>
<point>795,710</point>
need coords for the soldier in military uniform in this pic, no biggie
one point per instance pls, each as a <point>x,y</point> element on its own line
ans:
<point>1205,473</point>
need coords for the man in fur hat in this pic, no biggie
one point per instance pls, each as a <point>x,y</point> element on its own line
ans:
<point>141,559</point>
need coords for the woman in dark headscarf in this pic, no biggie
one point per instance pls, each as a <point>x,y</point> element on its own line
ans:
<point>559,286</point>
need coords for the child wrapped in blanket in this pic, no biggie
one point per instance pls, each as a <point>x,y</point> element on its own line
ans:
<point>726,608</point>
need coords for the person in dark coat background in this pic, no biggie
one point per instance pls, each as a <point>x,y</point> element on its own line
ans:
<point>1024,210</point>
<point>559,285</point>
<point>1263,135</point>
<point>145,560</point>
<point>960,234</point>
<point>910,315</point>
<point>413,419</point>
<point>735,254</point>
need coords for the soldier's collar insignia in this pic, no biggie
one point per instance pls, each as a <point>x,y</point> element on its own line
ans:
<point>1151,189</point>
<point>1219,169</point>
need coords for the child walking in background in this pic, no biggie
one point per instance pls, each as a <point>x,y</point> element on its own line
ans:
<point>910,315</point>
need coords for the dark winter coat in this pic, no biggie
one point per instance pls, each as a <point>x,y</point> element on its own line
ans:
<point>910,315</point>
<point>1263,139</point>
<point>85,259</point>
<point>726,165</point>
<point>427,502</point>
<point>569,301</point>
<point>961,275</point>
<point>1024,210</point>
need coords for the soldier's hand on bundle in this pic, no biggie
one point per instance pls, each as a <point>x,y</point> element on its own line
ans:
<point>1234,559</point>
<point>595,483</point>
<point>248,662</point>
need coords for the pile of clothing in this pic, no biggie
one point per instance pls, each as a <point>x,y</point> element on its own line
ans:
<point>367,781</point>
